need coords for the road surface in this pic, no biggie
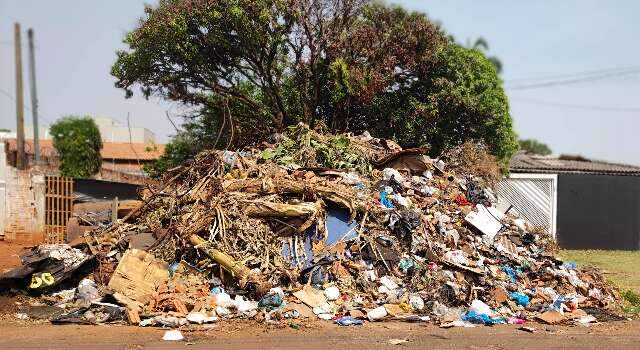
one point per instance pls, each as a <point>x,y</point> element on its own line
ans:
<point>248,335</point>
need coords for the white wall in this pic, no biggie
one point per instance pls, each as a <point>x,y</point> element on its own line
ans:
<point>110,131</point>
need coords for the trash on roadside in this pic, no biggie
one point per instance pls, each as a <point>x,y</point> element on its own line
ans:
<point>172,335</point>
<point>519,298</point>
<point>377,314</point>
<point>528,329</point>
<point>551,317</point>
<point>332,227</point>
<point>332,293</point>
<point>348,321</point>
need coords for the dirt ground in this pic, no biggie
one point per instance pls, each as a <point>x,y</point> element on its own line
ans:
<point>10,256</point>
<point>319,335</point>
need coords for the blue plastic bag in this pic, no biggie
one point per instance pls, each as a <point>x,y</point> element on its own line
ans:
<point>511,272</point>
<point>484,319</point>
<point>519,298</point>
<point>385,200</point>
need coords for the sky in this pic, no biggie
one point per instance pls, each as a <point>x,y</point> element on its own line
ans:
<point>537,41</point>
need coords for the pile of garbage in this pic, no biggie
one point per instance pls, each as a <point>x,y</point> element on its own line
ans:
<point>343,228</point>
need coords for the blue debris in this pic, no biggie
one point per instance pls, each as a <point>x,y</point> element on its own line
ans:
<point>570,264</point>
<point>511,272</point>
<point>385,200</point>
<point>340,227</point>
<point>216,290</point>
<point>519,298</point>
<point>557,304</point>
<point>484,319</point>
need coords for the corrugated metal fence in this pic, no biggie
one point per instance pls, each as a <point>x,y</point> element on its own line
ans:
<point>533,196</point>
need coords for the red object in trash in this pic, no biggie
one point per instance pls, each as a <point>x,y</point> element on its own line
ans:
<point>462,201</point>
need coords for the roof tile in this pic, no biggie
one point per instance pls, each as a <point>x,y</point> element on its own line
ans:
<point>526,163</point>
<point>110,150</point>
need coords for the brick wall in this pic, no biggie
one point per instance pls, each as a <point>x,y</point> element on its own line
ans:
<point>24,205</point>
<point>3,187</point>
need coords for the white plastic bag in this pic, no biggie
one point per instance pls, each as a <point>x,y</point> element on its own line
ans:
<point>479,307</point>
<point>387,173</point>
<point>332,293</point>
<point>377,314</point>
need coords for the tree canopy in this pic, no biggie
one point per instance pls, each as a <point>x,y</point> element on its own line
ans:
<point>78,141</point>
<point>245,69</point>
<point>535,147</point>
<point>459,98</point>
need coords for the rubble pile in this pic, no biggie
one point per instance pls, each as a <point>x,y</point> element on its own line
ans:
<point>337,227</point>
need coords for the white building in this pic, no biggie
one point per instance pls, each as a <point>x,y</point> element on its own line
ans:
<point>111,131</point>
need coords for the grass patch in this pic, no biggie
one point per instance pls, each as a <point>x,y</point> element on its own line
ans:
<point>622,268</point>
<point>632,302</point>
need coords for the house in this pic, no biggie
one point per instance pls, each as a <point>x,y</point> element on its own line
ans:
<point>36,203</point>
<point>585,204</point>
<point>120,161</point>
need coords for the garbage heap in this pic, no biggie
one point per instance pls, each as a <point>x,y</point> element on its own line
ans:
<point>337,227</point>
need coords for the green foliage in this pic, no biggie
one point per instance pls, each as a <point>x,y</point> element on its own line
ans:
<point>631,302</point>
<point>459,97</point>
<point>78,141</point>
<point>535,147</point>
<point>482,45</point>
<point>631,297</point>
<point>182,147</point>
<point>302,60</point>
<point>306,148</point>
<point>4,130</point>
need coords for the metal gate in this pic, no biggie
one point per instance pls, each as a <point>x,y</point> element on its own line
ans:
<point>58,208</point>
<point>534,197</point>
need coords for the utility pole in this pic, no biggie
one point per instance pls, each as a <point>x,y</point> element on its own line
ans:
<point>20,162</point>
<point>34,96</point>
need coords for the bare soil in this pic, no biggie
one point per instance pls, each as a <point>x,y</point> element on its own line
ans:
<point>321,335</point>
<point>10,254</point>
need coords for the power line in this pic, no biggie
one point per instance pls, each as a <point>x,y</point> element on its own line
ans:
<point>12,98</point>
<point>578,106</point>
<point>573,75</point>
<point>572,81</point>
